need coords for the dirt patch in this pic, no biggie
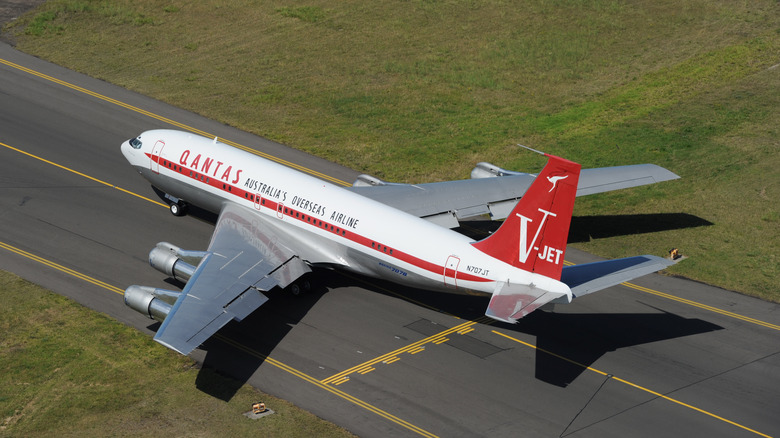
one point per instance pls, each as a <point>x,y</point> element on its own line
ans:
<point>11,10</point>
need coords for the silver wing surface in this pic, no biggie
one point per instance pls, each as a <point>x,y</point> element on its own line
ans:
<point>591,277</point>
<point>493,191</point>
<point>244,259</point>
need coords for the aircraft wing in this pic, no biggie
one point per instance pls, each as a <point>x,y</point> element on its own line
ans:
<point>493,191</point>
<point>243,259</point>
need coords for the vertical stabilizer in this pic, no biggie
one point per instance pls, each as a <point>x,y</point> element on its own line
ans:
<point>534,235</point>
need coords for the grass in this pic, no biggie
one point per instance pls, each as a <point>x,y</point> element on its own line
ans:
<point>419,91</point>
<point>68,371</point>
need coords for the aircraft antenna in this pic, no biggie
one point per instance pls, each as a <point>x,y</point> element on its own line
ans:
<point>532,149</point>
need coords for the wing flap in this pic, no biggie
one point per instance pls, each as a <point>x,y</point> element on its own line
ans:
<point>243,259</point>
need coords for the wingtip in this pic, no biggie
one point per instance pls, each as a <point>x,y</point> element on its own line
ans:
<point>180,351</point>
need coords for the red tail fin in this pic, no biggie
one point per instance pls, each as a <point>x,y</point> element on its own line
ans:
<point>534,235</point>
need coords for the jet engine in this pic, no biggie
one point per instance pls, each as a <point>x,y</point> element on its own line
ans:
<point>174,261</point>
<point>152,302</point>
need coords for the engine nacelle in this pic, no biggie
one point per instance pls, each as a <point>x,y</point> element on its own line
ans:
<point>150,301</point>
<point>371,181</point>
<point>368,181</point>
<point>174,261</point>
<point>487,170</point>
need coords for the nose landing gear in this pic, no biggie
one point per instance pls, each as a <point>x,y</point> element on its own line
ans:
<point>178,208</point>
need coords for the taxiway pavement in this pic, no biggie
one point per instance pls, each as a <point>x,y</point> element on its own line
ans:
<point>660,357</point>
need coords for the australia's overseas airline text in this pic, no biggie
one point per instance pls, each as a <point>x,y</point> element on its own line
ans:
<point>212,167</point>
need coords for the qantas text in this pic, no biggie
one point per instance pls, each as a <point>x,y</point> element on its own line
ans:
<point>205,165</point>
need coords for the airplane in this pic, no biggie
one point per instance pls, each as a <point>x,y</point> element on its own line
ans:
<point>277,224</point>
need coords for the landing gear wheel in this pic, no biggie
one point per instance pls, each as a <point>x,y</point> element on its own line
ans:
<point>178,209</point>
<point>299,287</point>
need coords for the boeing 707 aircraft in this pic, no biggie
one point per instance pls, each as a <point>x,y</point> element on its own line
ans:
<point>277,224</point>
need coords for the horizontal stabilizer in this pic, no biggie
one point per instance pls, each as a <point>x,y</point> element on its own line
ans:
<point>607,179</point>
<point>511,302</point>
<point>591,277</point>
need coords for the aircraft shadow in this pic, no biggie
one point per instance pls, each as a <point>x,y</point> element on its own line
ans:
<point>567,343</point>
<point>587,228</point>
<point>237,350</point>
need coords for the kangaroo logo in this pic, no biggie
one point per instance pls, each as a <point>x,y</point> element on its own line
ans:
<point>554,180</point>
<point>525,247</point>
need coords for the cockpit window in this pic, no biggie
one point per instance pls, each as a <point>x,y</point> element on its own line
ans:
<point>136,143</point>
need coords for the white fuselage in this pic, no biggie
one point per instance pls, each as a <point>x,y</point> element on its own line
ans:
<point>323,223</point>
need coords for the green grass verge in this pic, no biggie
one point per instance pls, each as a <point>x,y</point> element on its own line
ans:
<point>420,91</point>
<point>68,371</point>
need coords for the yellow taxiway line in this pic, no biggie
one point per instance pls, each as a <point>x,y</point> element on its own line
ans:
<point>343,376</point>
<point>170,121</point>
<point>695,304</point>
<point>61,268</point>
<point>267,359</point>
<point>82,174</point>
<point>392,356</point>
<point>703,306</point>
<point>289,164</point>
<point>634,385</point>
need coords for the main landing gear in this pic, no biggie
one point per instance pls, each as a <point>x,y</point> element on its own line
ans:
<point>299,287</point>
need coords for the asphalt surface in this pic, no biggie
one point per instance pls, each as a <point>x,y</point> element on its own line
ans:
<point>661,357</point>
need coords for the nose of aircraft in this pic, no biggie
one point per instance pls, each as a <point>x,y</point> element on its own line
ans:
<point>131,154</point>
<point>126,149</point>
